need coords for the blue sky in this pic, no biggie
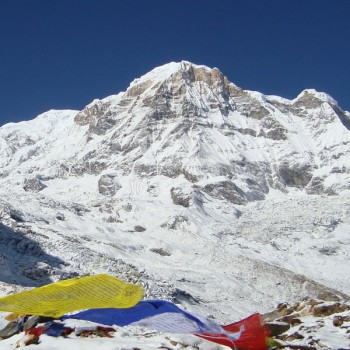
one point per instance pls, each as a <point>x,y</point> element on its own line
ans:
<point>62,54</point>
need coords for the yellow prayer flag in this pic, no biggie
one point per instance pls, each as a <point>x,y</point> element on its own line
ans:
<point>56,299</point>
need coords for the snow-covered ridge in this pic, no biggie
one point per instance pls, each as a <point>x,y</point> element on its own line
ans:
<point>319,95</point>
<point>305,94</point>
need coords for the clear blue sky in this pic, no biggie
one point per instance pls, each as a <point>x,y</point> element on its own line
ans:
<point>58,54</point>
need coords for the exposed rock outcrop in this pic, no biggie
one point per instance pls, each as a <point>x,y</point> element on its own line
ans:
<point>295,175</point>
<point>180,197</point>
<point>108,184</point>
<point>226,190</point>
<point>33,185</point>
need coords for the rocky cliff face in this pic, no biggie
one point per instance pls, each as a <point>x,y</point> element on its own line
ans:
<point>179,165</point>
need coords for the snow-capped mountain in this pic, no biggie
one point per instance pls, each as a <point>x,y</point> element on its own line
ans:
<point>225,200</point>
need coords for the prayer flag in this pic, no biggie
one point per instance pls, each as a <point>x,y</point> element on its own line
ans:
<point>56,299</point>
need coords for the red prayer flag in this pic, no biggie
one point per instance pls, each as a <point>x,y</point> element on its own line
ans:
<point>253,334</point>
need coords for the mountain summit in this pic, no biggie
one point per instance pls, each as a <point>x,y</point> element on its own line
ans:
<point>211,196</point>
<point>189,120</point>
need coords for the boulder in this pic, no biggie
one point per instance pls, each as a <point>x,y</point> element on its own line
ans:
<point>329,309</point>
<point>277,328</point>
<point>33,185</point>
<point>108,185</point>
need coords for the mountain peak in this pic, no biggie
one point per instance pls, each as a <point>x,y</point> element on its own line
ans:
<point>162,72</point>
<point>309,94</point>
<point>183,70</point>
